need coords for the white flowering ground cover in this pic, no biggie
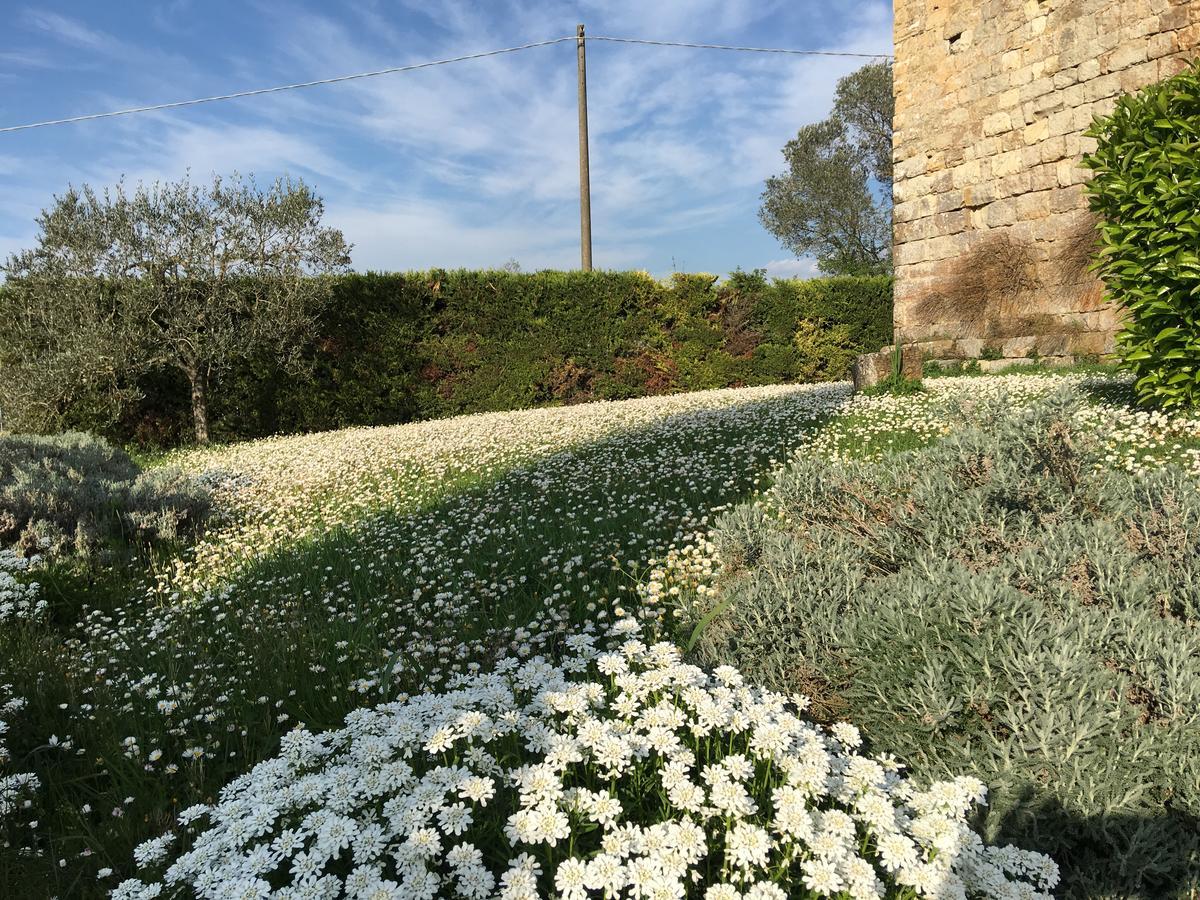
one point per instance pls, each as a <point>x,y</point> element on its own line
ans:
<point>621,772</point>
<point>530,522</point>
<point>404,570</point>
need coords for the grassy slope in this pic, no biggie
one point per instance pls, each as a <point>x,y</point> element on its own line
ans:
<point>404,592</point>
<point>400,597</point>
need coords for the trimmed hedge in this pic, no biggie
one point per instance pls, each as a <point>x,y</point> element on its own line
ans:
<point>398,347</point>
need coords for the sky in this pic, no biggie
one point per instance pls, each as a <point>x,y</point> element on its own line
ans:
<point>467,165</point>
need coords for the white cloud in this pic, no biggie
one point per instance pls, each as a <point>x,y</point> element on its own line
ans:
<point>72,31</point>
<point>475,163</point>
<point>792,268</point>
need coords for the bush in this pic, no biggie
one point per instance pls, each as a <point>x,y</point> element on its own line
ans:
<point>620,773</point>
<point>998,604</point>
<point>1146,189</point>
<point>393,348</point>
<point>72,494</point>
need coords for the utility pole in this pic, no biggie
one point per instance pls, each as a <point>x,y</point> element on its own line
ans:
<point>585,179</point>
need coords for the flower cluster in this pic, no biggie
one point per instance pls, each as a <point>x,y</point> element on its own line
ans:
<point>621,772</point>
<point>278,491</point>
<point>407,584</point>
<point>19,599</point>
<point>14,788</point>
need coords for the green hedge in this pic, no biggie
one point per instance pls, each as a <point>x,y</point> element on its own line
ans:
<point>1146,190</point>
<point>398,347</point>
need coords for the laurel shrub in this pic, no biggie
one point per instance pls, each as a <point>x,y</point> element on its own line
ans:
<point>74,494</point>
<point>1145,190</point>
<point>999,603</point>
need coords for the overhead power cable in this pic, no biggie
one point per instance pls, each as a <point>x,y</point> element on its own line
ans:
<point>284,87</point>
<point>621,40</point>
<point>423,65</point>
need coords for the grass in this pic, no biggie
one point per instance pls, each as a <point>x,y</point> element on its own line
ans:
<point>968,368</point>
<point>361,565</point>
<point>399,598</point>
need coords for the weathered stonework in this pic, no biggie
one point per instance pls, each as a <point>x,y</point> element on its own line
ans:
<point>992,231</point>
<point>872,368</point>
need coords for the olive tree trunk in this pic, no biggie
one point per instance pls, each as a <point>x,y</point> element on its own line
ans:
<point>199,404</point>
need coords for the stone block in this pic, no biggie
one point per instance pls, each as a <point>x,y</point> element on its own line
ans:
<point>1176,18</point>
<point>1160,45</point>
<point>1053,149</point>
<point>997,123</point>
<point>872,368</point>
<point>1007,163</point>
<point>1124,56</point>
<point>1033,205</point>
<point>969,348</point>
<point>1038,131</point>
<point>1068,173</point>
<point>1018,347</point>
<point>1043,177</point>
<point>1002,212</point>
<point>1062,122</point>
<point>1089,69</point>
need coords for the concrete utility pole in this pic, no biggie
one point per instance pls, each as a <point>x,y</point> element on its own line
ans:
<point>585,179</point>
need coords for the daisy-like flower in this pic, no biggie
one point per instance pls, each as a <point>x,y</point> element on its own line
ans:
<point>417,820</point>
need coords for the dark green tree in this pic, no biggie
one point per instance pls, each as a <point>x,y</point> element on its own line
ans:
<point>174,275</point>
<point>834,201</point>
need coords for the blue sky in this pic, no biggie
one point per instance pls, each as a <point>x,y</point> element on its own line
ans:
<point>465,165</point>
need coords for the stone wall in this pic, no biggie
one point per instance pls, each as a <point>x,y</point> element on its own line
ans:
<point>993,234</point>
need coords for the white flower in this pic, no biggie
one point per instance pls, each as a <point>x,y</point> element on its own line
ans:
<point>570,879</point>
<point>380,793</point>
<point>748,847</point>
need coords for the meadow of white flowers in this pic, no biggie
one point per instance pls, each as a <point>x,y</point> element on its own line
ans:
<point>392,651</point>
<point>284,490</point>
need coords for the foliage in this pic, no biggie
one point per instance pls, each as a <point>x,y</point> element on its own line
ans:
<point>834,199</point>
<point>175,277</point>
<point>896,385</point>
<point>621,773</point>
<point>1146,190</point>
<point>1000,602</point>
<point>353,568</point>
<point>392,348</point>
<point>345,570</point>
<point>73,494</point>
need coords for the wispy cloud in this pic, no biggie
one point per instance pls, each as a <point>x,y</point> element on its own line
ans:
<point>475,163</point>
<point>792,268</point>
<point>73,32</point>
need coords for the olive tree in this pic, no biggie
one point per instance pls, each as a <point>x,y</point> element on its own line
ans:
<point>834,200</point>
<point>173,275</point>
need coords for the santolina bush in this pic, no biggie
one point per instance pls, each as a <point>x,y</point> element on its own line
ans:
<point>1003,603</point>
<point>621,772</point>
<point>73,493</point>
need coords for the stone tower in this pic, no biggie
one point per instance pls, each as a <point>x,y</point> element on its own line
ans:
<point>992,235</point>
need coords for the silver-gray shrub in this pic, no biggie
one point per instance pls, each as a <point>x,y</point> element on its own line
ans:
<point>75,494</point>
<point>996,604</point>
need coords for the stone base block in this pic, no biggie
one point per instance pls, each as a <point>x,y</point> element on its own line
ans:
<point>872,368</point>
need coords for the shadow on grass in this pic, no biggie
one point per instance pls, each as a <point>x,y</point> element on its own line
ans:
<point>290,637</point>
<point>1109,855</point>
